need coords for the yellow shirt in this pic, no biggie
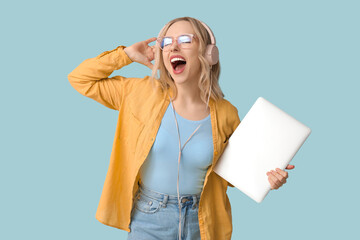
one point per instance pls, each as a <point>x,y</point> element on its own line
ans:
<point>141,107</point>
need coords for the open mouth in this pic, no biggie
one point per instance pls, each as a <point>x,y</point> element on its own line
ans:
<point>178,64</point>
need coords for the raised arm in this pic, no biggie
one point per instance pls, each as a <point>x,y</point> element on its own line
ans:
<point>90,78</point>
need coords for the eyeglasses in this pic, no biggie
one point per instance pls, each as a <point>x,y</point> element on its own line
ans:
<point>184,41</point>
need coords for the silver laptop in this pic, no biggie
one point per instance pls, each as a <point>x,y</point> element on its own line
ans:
<point>267,138</point>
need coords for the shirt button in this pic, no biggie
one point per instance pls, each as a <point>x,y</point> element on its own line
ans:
<point>216,152</point>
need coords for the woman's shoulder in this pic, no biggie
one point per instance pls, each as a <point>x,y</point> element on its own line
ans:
<point>226,107</point>
<point>227,114</point>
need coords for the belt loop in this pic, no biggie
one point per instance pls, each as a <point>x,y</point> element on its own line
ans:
<point>165,200</point>
<point>194,201</point>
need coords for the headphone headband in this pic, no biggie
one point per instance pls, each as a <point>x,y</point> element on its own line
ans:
<point>212,37</point>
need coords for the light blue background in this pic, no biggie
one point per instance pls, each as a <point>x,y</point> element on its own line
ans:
<point>303,56</point>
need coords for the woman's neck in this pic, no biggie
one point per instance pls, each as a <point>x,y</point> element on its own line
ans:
<point>188,94</point>
<point>189,104</point>
<point>185,98</point>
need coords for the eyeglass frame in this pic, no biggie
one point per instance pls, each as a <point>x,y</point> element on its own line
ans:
<point>159,40</point>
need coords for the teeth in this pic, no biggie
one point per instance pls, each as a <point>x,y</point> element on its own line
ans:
<point>177,59</point>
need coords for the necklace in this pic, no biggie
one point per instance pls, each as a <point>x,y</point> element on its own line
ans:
<point>180,150</point>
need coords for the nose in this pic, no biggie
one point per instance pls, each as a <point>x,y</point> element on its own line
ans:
<point>174,46</point>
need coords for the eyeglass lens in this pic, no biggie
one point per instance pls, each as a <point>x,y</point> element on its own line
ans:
<point>184,41</point>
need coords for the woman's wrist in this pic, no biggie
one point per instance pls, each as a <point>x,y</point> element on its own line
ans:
<point>127,53</point>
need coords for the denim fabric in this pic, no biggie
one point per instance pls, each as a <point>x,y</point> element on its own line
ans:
<point>155,216</point>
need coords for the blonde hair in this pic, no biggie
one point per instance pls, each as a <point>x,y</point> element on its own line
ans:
<point>209,74</point>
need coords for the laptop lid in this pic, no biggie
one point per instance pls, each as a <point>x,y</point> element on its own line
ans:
<point>267,138</point>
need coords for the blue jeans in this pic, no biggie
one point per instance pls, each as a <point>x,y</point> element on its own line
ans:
<point>155,216</point>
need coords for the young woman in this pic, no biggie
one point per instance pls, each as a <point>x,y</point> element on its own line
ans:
<point>170,133</point>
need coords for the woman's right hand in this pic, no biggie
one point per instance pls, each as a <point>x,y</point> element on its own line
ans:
<point>141,52</point>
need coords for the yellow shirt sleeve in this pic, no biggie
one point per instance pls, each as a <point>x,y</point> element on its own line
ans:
<point>90,78</point>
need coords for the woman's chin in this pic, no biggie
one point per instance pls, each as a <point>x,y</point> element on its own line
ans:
<point>179,79</point>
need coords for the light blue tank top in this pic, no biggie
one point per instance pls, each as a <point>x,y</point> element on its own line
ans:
<point>160,169</point>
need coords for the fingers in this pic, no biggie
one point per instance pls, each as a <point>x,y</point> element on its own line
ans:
<point>290,166</point>
<point>150,40</point>
<point>282,173</point>
<point>153,49</point>
<point>273,183</point>
<point>277,178</point>
<point>151,53</point>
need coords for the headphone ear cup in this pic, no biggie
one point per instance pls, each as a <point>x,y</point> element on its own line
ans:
<point>212,54</point>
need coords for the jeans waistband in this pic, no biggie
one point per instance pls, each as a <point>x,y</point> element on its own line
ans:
<point>170,199</point>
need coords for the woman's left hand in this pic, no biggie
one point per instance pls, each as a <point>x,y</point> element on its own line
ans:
<point>278,177</point>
